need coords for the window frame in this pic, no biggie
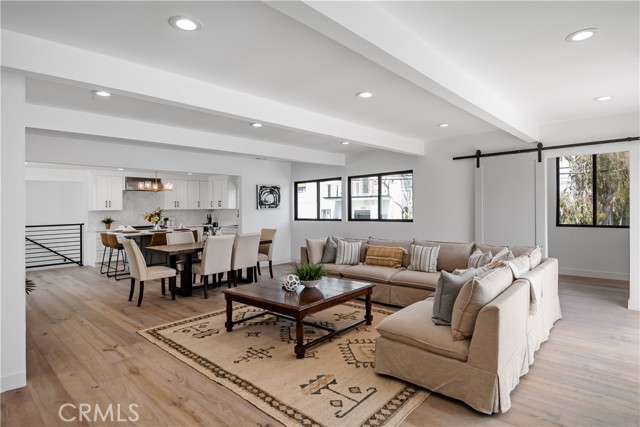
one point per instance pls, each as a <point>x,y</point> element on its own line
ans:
<point>594,196</point>
<point>318,196</point>
<point>379,195</point>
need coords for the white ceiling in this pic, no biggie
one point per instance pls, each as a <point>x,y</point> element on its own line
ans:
<point>480,66</point>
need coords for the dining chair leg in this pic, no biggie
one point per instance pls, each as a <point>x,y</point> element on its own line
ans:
<point>172,287</point>
<point>258,265</point>
<point>162,282</point>
<point>255,275</point>
<point>271,268</point>
<point>206,285</point>
<point>133,286</point>
<point>141,292</point>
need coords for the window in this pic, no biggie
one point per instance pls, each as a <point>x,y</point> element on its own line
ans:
<point>318,200</point>
<point>381,197</point>
<point>580,202</point>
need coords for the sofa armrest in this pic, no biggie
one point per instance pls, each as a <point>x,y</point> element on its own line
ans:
<point>304,255</point>
<point>501,330</point>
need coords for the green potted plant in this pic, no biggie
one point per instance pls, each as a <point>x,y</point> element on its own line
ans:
<point>310,274</point>
<point>107,222</point>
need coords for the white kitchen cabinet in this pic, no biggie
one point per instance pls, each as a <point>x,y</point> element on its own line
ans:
<point>222,193</point>
<point>178,197</point>
<point>107,193</point>
<point>204,200</point>
<point>193,195</point>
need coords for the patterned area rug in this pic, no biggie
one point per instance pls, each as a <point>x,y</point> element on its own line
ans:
<point>334,385</point>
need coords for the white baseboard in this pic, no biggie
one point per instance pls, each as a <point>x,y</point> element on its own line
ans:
<point>11,382</point>
<point>594,273</point>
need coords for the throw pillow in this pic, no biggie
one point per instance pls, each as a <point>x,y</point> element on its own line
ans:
<point>384,256</point>
<point>424,258</point>
<point>348,253</point>
<point>535,257</point>
<point>447,290</point>
<point>519,266</point>
<point>502,254</point>
<point>330,250</point>
<point>474,295</point>
<point>479,258</point>
<point>363,245</point>
<point>315,248</point>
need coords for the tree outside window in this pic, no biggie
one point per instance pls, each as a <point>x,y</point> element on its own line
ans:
<point>593,190</point>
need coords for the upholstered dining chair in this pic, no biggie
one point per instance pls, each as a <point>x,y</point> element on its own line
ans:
<point>176,238</point>
<point>245,255</point>
<point>115,245</point>
<point>265,250</point>
<point>140,272</point>
<point>216,259</point>
<point>157,239</point>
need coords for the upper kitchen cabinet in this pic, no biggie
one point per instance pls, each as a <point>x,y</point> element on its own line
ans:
<point>178,198</point>
<point>107,193</point>
<point>223,193</point>
<point>198,197</point>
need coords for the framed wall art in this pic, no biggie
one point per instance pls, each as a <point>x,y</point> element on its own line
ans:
<point>268,196</point>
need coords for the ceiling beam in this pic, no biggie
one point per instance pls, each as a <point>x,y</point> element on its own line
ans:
<point>83,123</point>
<point>370,31</point>
<point>32,55</point>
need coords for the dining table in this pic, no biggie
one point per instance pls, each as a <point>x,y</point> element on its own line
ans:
<point>188,250</point>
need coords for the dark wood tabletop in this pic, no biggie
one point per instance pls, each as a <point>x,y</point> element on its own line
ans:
<point>298,304</point>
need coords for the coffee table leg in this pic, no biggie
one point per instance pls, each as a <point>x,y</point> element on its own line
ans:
<point>299,349</point>
<point>368,317</point>
<point>229,322</point>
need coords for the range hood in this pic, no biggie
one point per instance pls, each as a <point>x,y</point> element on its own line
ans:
<point>146,184</point>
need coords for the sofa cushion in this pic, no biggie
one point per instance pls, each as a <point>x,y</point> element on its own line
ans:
<point>405,244</point>
<point>412,326</point>
<point>535,257</point>
<point>489,248</point>
<point>474,295</point>
<point>330,250</point>
<point>451,255</point>
<point>502,254</point>
<point>424,258</point>
<point>520,250</point>
<point>447,290</point>
<point>370,273</point>
<point>348,253</point>
<point>415,279</point>
<point>315,248</point>
<point>479,258</point>
<point>519,266</point>
<point>334,269</point>
<point>385,256</point>
<point>363,246</point>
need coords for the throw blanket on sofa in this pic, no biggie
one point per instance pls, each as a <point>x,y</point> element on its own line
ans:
<point>535,286</point>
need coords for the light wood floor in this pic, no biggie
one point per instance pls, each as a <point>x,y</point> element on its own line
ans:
<point>82,347</point>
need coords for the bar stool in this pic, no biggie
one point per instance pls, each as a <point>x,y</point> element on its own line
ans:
<point>157,239</point>
<point>105,242</point>
<point>119,248</point>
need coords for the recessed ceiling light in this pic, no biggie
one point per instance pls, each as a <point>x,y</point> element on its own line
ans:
<point>364,94</point>
<point>581,35</point>
<point>443,125</point>
<point>101,92</point>
<point>256,125</point>
<point>345,143</point>
<point>184,23</point>
<point>120,169</point>
<point>189,173</point>
<point>27,163</point>
<point>603,98</point>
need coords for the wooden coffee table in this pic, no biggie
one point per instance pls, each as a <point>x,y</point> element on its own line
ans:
<point>299,304</point>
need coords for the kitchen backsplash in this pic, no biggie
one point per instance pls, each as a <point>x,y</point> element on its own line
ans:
<point>136,204</point>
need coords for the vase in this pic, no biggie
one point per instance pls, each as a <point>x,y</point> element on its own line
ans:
<point>310,283</point>
<point>156,225</point>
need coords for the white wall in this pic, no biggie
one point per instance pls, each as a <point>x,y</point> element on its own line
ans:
<point>12,222</point>
<point>54,202</point>
<point>590,252</point>
<point>443,191</point>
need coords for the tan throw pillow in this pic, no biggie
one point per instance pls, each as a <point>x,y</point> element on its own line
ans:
<point>519,266</point>
<point>502,254</point>
<point>473,296</point>
<point>348,253</point>
<point>315,248</point>
<point>479,258</point>
<point>384,256</point>
<point>424,258</point>
<point>535,257</point>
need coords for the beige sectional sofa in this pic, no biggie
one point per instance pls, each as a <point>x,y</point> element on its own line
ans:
<point>481,370</point>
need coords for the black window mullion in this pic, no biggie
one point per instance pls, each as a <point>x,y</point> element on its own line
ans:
<point>318,200</point>
<point>379,197</point>
<point>594,189</point>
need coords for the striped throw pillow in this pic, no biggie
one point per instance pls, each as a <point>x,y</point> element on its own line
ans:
<point>385,256</point>
<point>479,258</point>
<point>424,258</point>
<point>348,253</point>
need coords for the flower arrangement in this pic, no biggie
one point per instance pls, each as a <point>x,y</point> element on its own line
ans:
<point>153,216</point>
